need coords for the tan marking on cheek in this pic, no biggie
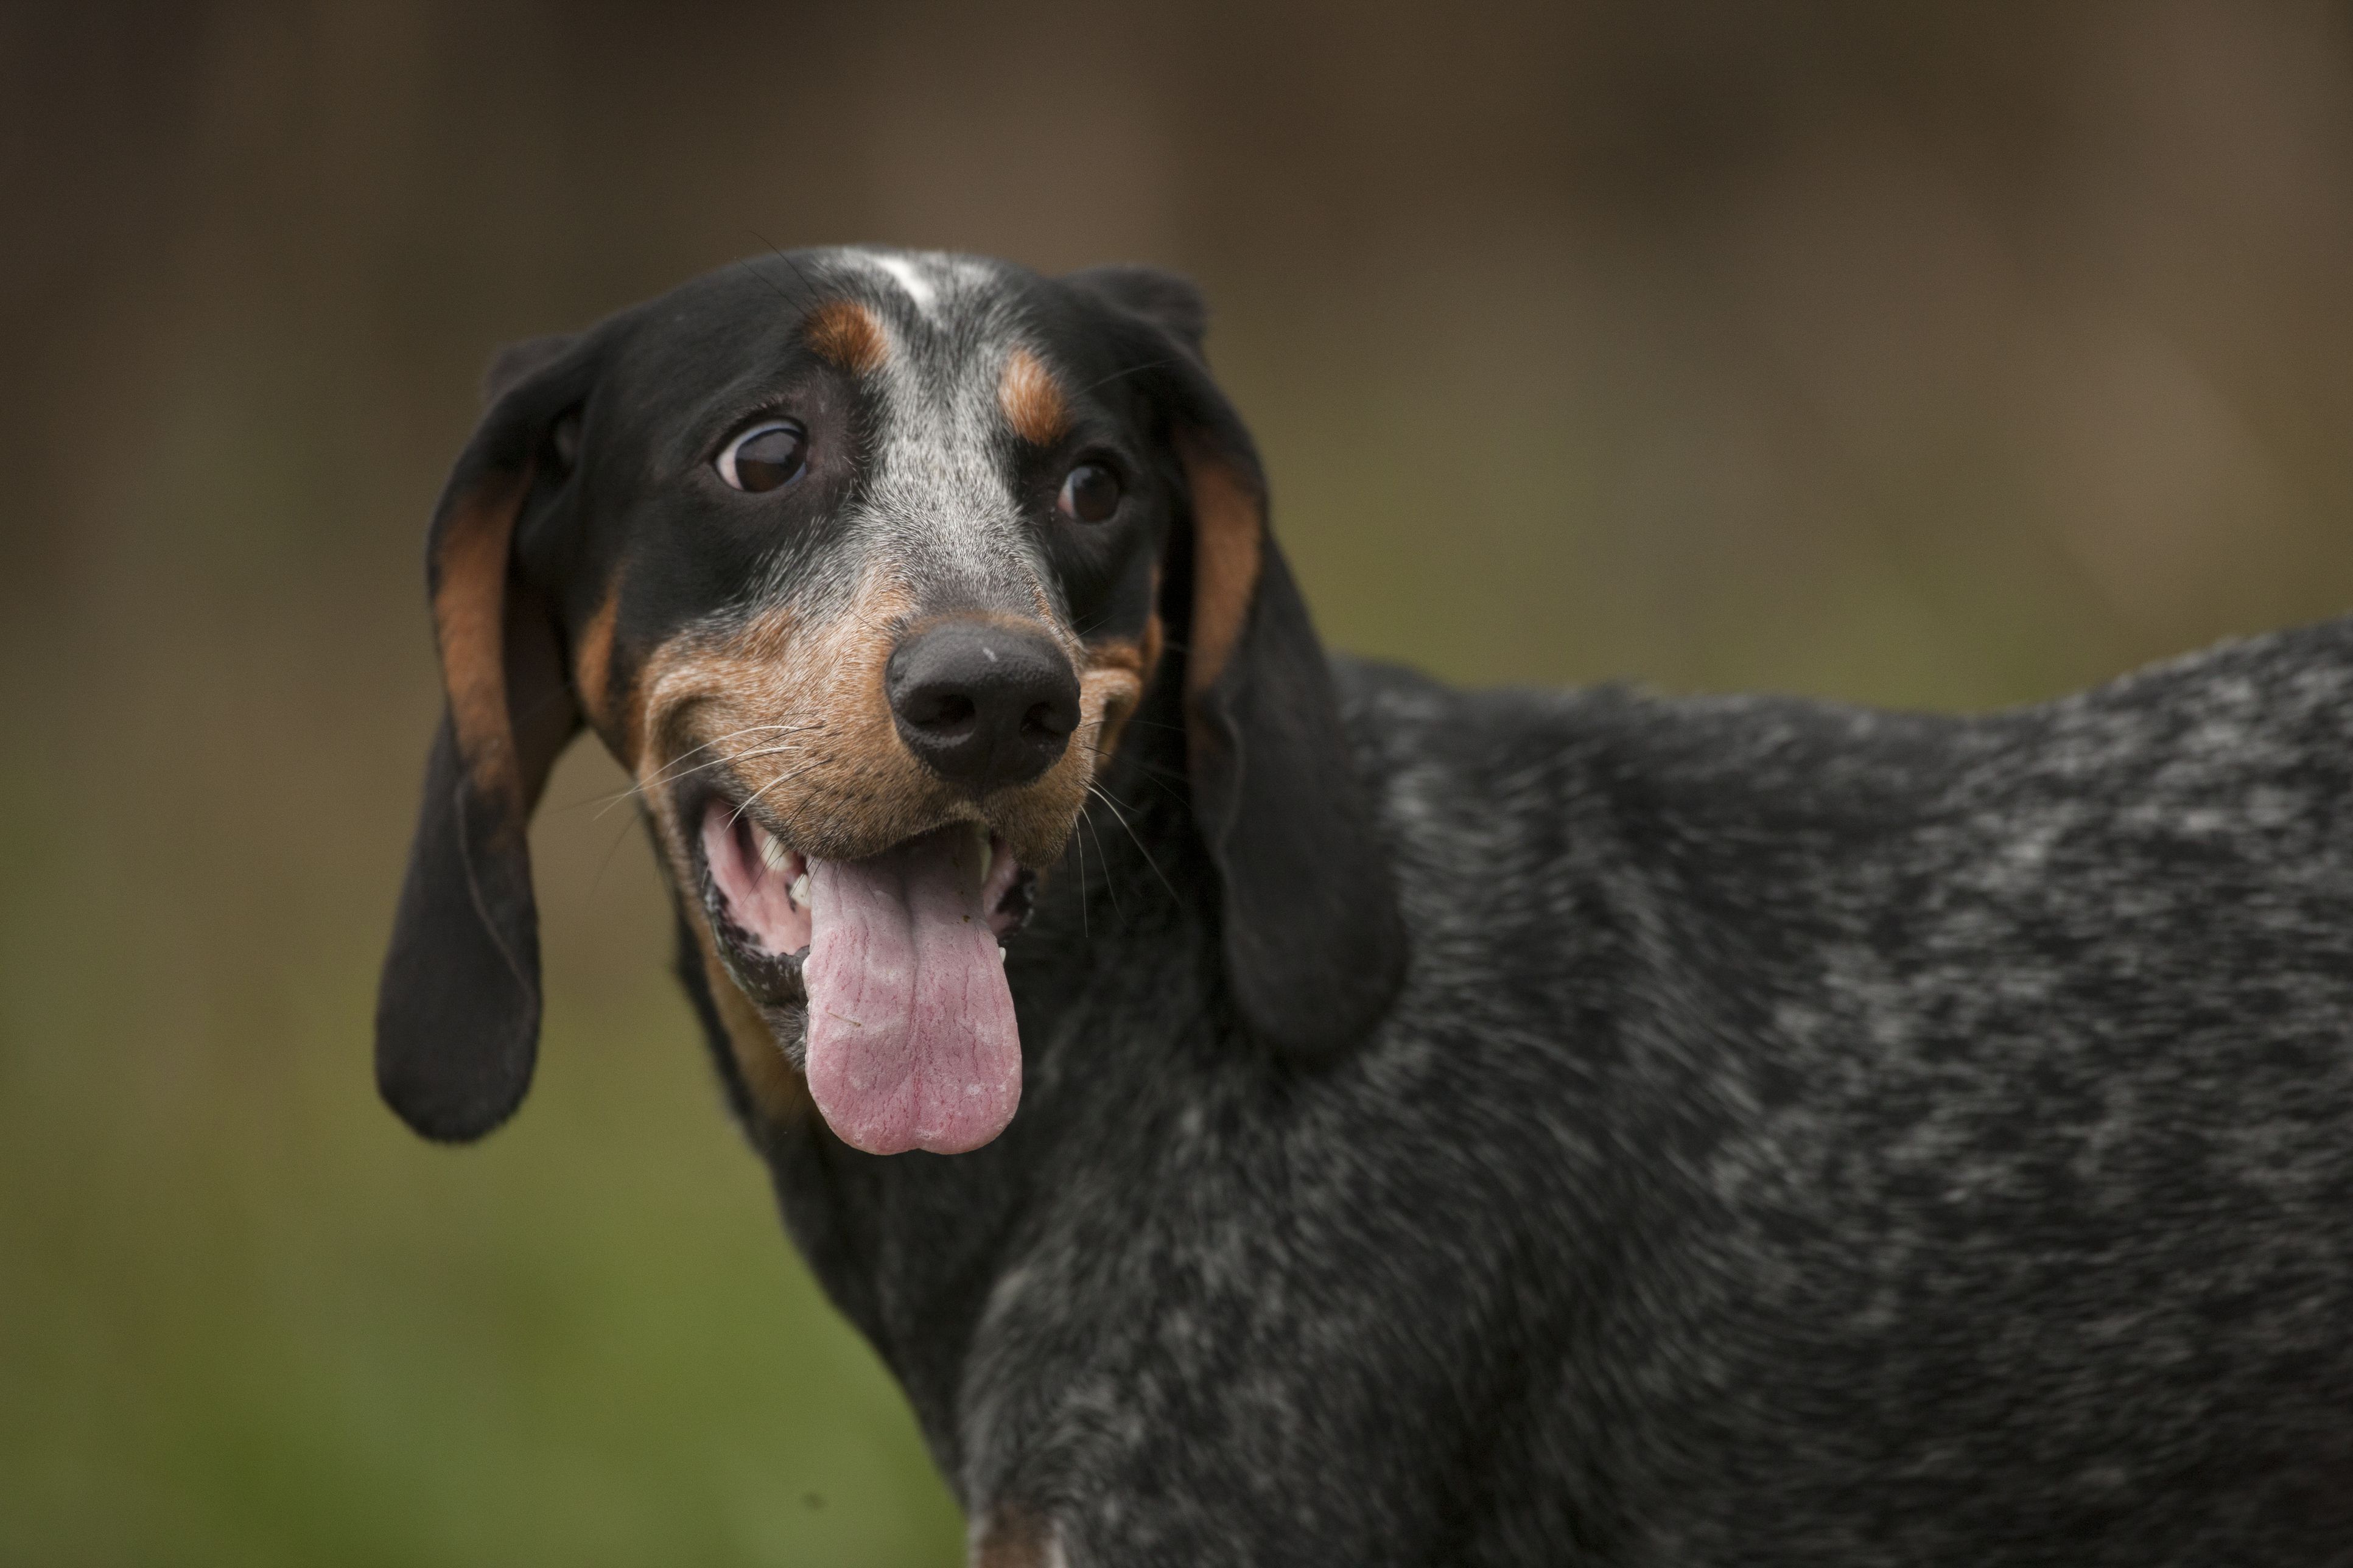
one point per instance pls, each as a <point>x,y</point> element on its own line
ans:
<point>1122,669</point>
<point>1037,818</point>
<point>1155,642</point>
<point>1228,526</point>
<point>1115,691</point>
<point>795,716</point>
<point>846,333</point>
<point>470,622</point>
<point>1032,400</point>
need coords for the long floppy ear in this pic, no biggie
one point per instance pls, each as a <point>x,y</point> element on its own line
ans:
<point>1314,947</point>
<point>456,1022</point>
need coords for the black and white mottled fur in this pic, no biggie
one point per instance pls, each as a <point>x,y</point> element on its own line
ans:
<point>1806,1135</point>
<point>1802,1135</point>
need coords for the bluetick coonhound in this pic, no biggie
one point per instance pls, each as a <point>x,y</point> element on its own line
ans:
<point>1274,1109</point>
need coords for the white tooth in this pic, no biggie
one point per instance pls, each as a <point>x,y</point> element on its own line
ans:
<point>772,853</point>
<point>1000,955</point>
<point>800,889</point>
<point>988,850</point>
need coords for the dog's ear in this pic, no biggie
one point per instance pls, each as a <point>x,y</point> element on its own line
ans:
<point>1313,944</point>
<point>518,362</point>
<point>1167,301</point>
<point>457,1023</point>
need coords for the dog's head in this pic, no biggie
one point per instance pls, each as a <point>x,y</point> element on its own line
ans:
<point>860,562</point>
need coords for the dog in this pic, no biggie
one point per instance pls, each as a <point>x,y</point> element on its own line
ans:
<point>1267,1107</point>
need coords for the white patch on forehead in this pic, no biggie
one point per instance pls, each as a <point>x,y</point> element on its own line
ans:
<point>918,288</point>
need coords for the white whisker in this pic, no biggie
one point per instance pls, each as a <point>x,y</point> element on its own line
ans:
<point>678,769</point>
<point>1109,886</point>
<point>1103,794</point>
<point>781,778</point>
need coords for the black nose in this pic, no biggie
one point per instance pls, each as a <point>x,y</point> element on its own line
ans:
<point>985,705</point>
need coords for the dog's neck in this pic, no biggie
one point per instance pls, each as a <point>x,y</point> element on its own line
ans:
<point>910,1247</point>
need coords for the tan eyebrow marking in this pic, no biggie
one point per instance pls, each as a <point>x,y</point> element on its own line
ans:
<point>846,334</point>
<point>1032,400</point>
<point>1122,667</point>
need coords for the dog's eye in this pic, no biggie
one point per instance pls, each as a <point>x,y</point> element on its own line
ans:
<point>1090,494</point>
<point>768,455</point>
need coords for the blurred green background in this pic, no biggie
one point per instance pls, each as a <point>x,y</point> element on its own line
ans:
<point>1943,355</point>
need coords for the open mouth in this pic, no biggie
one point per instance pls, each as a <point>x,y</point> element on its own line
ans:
<point>897,964</point>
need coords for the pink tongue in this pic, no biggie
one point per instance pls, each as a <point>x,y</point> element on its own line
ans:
<point>911,1039</point>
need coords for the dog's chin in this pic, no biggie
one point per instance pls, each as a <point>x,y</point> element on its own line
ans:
<point>880,977</point>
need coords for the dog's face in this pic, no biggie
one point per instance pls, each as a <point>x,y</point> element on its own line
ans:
<point>888,603</point>
<point>859,563</point>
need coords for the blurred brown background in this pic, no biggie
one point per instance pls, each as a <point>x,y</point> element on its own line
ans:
<point>1945,356</point>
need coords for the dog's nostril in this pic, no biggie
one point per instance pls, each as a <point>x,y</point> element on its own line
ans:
<point>1046,719</point>
<point>945,710</point>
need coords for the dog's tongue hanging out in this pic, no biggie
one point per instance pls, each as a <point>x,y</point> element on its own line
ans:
<point>912,1038</point>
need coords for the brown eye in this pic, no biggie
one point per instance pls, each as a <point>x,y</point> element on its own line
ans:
<point>765,457</point>
<point>1090,494</point>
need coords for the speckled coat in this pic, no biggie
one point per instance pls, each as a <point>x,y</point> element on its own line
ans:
<point>1806,1135</point>
<point>1490,1129</point>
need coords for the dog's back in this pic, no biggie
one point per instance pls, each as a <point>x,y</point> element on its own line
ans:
<point>1928,1139</point>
